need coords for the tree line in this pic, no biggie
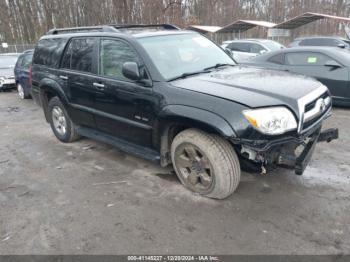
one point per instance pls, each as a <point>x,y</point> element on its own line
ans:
<point>24,21</point>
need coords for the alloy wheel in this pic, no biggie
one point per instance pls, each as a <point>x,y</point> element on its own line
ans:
<point>194,167</point>
<point>59,120</point>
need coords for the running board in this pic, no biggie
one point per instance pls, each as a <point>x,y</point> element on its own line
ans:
<point>127,147</point>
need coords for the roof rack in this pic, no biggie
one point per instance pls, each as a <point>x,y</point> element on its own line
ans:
<point>83,29</point>
<point>141,26</point>
<point>109,28</point>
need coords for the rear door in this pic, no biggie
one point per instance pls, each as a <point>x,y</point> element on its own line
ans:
<point>77,74</point>
<point>125,107</point>
<point>315,64</point>
<point>24,71</point>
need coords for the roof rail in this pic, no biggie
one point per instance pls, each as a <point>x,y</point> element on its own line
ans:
<point>140,26</point>
<point>103,28</point>
<point>109,28</point>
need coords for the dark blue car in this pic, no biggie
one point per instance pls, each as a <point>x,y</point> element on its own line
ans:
<point>22,74</point>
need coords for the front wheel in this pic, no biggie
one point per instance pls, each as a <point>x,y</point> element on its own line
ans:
<point>206,164</point>
<point>61,124</point>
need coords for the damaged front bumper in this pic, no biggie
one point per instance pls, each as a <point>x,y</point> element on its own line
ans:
<point>289,152</point>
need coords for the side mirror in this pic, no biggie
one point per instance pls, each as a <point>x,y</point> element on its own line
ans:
<point>332,64</point>
<point>229,52</point>
<point>131,70</point>
<point>262,52</point>
<point>341,45</point>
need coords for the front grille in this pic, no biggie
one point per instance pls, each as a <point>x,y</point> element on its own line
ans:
<point>312,104</point>
<point>316,109</point>
<point>312,121</point>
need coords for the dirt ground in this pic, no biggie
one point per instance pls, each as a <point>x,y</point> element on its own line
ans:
<point>89,198</point>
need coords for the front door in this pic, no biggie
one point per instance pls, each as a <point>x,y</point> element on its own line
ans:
<point>125,108</point>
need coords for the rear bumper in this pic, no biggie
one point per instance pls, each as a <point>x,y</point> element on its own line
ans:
<point>292,153</point>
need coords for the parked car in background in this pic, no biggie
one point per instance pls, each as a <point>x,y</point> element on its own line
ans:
<point>245,49</point>
<point>329,65</point>
<point>7,64</point>
<point>321,41</point>
<point>22,74</point>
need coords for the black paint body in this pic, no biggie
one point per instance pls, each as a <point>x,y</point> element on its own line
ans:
<point>149,115</point>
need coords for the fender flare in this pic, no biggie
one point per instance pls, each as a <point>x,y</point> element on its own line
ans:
<point>188,116</point>
<point>205,117</point>
<point>51,86</point>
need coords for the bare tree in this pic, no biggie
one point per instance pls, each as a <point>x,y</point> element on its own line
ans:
<point>25,21</point>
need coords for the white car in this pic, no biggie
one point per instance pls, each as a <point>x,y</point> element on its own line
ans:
<point>243,50</point>
<point>7,64</point>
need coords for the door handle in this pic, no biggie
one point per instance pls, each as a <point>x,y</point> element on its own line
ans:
<point>64,77</point>
<point>98,85</point>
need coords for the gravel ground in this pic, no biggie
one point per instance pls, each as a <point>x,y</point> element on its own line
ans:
<point>89,198</point>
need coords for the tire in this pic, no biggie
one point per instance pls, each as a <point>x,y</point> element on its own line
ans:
<point>21,92</point>
<point>61,124</point>
<point>206,164</point>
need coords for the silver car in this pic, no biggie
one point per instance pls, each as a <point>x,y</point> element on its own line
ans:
<point>243,50</point>
<point>7,76</point>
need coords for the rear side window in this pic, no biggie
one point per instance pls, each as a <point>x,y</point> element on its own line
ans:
<point>277,59</point>
<point>307,59</point>
<point>26,61</point>
<point>48,52</point>
<point>19,61</point>
<point>79,55</point>
<point>240,47</point>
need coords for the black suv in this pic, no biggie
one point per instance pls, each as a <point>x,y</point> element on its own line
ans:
<point>174,96</point>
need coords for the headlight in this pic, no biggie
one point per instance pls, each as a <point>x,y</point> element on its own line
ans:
<point>271,121</point>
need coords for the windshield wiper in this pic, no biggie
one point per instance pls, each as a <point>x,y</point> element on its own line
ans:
<point>218,65</point>
<point>184,75</point>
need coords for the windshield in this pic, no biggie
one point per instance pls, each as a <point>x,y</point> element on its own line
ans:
<point>175,55</point>
<point>273,46</point>
<point>8,61</point>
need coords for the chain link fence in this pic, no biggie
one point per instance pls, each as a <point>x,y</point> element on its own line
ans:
<point>16,48</point>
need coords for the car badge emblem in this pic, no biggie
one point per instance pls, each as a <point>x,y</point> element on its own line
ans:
<point>322,104</point>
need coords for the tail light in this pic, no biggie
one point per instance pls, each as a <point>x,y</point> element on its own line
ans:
<point>30,76</point>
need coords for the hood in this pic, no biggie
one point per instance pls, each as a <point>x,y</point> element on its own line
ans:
<point>6,72</point>
<point>253,87</point>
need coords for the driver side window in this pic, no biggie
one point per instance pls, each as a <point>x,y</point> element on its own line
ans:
<point>256,49</point>
<point>113,54</point>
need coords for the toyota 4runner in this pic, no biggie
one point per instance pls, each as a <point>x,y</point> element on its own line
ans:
<point>175,97</point>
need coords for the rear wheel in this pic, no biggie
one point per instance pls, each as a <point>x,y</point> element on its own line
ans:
<point>61,124</point>
<point>205,164</point>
